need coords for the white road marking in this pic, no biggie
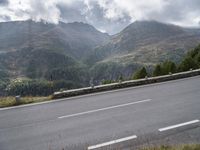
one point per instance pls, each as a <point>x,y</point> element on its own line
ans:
<point>28,105</point>
<point>96,94</point>
<point>179,125</point>
<point>103,109</point>
<point>112,142</point>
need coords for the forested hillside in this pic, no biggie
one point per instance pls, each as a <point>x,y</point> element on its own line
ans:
<point>36,56</point>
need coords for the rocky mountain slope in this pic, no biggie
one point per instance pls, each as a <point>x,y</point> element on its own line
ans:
<point>34,49</point>
<point>77,52</point>
<point>147,42</point>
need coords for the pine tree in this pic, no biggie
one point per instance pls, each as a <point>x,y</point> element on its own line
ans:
<point>167,67</point>
<point>187,64</point>
<point>157,71</point>
<point>140,74</point>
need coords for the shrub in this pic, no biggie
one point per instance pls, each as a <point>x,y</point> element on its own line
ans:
<point>157,71</point>
<point>29,87</point>
<point>142,73</point>
<point>187,64</point>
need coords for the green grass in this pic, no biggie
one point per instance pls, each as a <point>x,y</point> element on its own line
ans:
<point>160,147</point>
<point>10,101</point>
<point>180,147</point>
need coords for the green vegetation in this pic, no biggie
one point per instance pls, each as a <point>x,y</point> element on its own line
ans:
<point>167,147</point>
<point>76,75</point>
<point>165,68</point>
<point>168,67</point>
<point>66,56</point>
<point>157,71</point>
<point>108,71</point>
<point>180,147</point>
<point>29,87</point>
<point>140,74</point>
<point>51,63</point>
<point>111,72</point>
<point>33,87</point>
<point>10,101</point>
<point>190,61</point>
<point>108,81</point>
<point>187,64</point>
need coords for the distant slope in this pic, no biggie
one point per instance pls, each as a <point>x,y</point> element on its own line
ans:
<point>15,34</point>
<point>34,49</point>
<point>147,42</point>
<point>74,39</point>
<point>78,52</point>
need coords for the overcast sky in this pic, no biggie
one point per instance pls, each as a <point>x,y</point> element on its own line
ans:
<point>106,15</point>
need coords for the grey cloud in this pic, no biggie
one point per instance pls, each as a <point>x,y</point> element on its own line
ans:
<point>94,12</point>
<point>5,18</point>
<point>179,9</point>
<point>94,15</point>
<point>3,2</point>
<point>72,13</point>
<point>173,11</point>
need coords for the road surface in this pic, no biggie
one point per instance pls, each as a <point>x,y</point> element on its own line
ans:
<point>117,118</point>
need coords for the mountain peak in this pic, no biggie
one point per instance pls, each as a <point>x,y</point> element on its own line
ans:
<point>144,39</point>
<point>147,29</point>
<point>152,24</point>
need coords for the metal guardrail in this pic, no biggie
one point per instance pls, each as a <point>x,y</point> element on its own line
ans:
<point>131,83</point>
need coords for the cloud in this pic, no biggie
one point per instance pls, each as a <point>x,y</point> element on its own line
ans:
<point>92,12</point>
<point>42,10</point>
<point>74,11</point>
<point>5,18</point>
<point>181,12</point>
<point>106,15</point>
<point>3,2</point>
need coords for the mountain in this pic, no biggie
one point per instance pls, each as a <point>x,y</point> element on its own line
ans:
<point>74,39</point>
<point>34,49</point>
<point>147,42</point>
<point>77,52</point>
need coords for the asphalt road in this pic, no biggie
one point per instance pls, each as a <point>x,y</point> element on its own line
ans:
<point>124,117</point>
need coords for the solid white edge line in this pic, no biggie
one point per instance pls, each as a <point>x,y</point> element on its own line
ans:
<point>98,93</point>
<point>112,142</point>
<point>178,125</point>
<point>103,109</point>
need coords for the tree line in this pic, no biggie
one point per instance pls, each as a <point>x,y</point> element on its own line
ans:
<point>190,61</point>
<point>62,79</point>
<point>33,87</point>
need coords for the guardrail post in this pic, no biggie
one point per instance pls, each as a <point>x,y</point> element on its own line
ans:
<point>146,77</point>
<point>146,80</point>
<point>17,99</point>
<point>92,83</point>
<point>120,81</point>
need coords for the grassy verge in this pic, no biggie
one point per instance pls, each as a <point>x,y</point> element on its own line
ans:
<point>159,147</point>
<point>180,147</point>
<point>10,101</point>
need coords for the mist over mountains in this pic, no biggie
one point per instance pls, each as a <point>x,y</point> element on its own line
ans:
<point>77,52</point>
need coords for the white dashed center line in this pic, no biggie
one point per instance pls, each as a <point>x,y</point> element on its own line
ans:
<point>178,125</point>
<point>103,109</point>
<point>112,142</point>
